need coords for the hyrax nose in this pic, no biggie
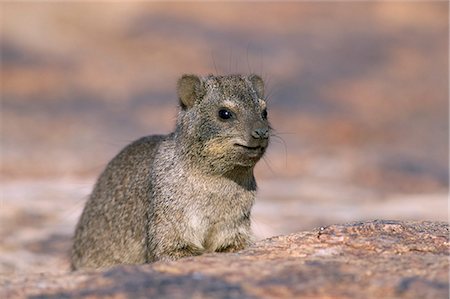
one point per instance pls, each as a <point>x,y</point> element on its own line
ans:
<point>260,133</point>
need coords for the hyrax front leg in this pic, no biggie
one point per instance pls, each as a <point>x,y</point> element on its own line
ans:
<point>238,243</point>
<point>172,253</point>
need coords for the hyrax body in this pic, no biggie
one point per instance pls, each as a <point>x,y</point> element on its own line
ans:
<point>164,197</point>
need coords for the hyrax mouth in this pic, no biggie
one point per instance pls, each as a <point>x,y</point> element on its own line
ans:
<point>254,148</point>
<point>251,148</point>
<point>252,152</point>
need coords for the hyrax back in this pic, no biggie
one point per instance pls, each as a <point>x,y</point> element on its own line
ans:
<point>185,193</point>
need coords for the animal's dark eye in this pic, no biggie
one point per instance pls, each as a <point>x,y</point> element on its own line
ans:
<point>264,114</point>
<point>225,114</point>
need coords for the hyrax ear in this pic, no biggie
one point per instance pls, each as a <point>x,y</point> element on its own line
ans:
<point>258,84</point>
<point>189,89</point>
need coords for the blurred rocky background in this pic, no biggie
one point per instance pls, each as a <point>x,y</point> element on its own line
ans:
<point>358,96</point>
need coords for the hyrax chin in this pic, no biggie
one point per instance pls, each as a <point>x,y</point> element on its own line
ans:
<point>164,197</point>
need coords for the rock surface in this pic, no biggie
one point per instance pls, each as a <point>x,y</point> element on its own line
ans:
<point>374,259</point>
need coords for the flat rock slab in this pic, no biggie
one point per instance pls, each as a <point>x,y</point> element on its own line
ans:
<point>376,259</point>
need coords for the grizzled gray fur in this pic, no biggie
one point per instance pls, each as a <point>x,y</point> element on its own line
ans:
<point>164,197</point>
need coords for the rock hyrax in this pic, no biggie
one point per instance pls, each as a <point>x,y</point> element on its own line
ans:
<point>164,197</point>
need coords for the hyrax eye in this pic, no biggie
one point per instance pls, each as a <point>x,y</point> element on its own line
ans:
<point>225,114</point>
<point>264,114</point>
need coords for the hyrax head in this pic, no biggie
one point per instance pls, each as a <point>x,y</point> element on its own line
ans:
<point>224,118</point>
